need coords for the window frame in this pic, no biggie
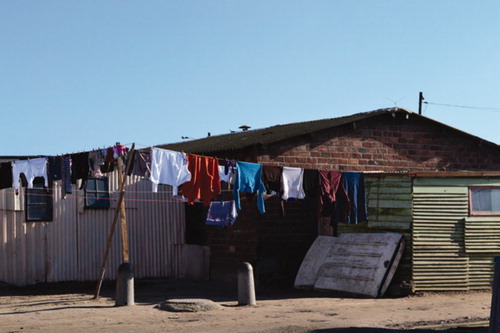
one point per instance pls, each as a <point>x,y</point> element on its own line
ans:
<point>47,204</point>
<point>100,198</point>
<point>473,213</point>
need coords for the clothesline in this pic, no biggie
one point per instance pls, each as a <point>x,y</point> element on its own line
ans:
<point>111,198</point>
<point>8,191</point>
<point>200,176</point>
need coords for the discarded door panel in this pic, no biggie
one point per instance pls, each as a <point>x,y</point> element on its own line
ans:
<point>316,255</point>
<point>359,263</point>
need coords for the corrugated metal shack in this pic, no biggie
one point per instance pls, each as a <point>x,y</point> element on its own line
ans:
<point>452,250</point>
<point>72,246</point>
<point>446,247</point>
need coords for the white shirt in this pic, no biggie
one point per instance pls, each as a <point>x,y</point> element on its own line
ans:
<point>229,178</point>
<point>168,167</point>
<point>36,167</point>
<point>291,182</point>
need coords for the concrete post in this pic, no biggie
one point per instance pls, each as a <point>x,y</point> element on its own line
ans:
<point>124,285</point>
<point>246,288</point>
<point>495,300</point>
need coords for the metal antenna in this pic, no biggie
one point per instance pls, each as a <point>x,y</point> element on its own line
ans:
<point>396,102</point>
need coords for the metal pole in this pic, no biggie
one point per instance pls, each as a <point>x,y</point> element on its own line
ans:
<point>420,99</point>
<point>495,299</point>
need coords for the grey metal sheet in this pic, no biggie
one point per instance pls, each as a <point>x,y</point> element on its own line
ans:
<point>71,247</point>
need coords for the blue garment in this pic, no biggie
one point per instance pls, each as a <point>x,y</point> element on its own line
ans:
<point>221,213</point>
<point>249,179</point>
<point>354,184</point>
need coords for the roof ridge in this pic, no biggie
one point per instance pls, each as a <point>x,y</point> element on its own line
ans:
<point>258,136</point>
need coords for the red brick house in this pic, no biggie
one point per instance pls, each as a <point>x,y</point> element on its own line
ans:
<point>386,142</point>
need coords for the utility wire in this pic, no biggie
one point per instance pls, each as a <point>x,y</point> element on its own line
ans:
<point>464,107</point>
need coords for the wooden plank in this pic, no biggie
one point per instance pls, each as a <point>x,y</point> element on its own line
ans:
<point>123,215</point>
<point>388,191</point>
<point>391,203</point>
<point>388,218</point>
<point>390,225</point>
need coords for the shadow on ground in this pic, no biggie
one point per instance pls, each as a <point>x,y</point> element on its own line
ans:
<point>387,330</point>
<point>154,291</point>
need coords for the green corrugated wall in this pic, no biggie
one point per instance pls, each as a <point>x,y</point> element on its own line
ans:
<point>445,249</point>
<point>451,251</point>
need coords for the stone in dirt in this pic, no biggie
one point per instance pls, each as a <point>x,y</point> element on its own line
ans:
<point>188,305</point>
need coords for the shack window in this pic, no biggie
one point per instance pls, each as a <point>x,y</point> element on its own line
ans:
<point>97,193</point>
<point>484,200</point>
<point>38,202</point>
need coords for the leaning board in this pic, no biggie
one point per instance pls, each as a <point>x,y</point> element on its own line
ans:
<point>359,263</point>
<point>316,255</point>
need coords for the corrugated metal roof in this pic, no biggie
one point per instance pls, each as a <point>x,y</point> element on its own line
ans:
<point>244,139</point>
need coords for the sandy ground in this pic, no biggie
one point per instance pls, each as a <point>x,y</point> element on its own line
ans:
<point>71,308</point>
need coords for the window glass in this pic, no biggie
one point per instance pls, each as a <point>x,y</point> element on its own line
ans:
<point>97,193</point>
<point>38,202</point>
<point>484,200</point>
<point>91,184</point>
<point>102,186</point>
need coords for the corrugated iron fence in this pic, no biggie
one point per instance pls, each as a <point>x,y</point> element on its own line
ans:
<point>71,247</point>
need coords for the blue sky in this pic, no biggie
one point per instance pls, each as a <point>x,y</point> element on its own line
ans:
<point>79,75</point>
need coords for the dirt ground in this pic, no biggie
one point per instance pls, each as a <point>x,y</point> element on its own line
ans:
<point>70,307</point>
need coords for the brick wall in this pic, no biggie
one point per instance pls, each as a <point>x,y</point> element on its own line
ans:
<point>384,144</point>
<point>274,243</point>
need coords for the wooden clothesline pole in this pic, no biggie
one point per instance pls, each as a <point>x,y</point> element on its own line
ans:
<point>119,207</point>
<point>123,216</point>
